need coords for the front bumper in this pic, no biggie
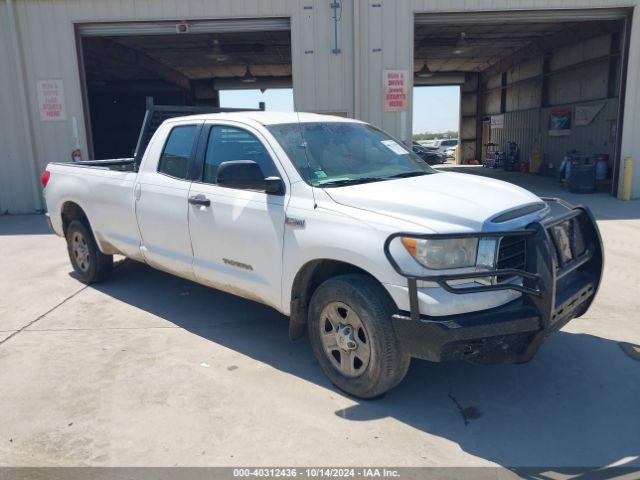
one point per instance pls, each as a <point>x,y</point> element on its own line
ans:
<point>554,290</point>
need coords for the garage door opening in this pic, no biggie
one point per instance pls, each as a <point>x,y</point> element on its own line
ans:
<point>551,82</point>
<point>274,99</point>
<point>436,119</point>
<point>178,64</point>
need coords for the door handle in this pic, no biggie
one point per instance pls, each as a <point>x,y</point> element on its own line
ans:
<point>200,200</point>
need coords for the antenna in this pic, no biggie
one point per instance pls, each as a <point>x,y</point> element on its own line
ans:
<point>304,145</point>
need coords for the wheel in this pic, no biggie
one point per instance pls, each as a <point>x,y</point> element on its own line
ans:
<point>352,337</point>
<point>89,263</point>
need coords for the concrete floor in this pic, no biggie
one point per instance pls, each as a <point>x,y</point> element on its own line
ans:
<point>148,369</point>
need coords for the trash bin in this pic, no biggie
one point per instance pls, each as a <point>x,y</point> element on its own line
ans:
<point>581,175</point>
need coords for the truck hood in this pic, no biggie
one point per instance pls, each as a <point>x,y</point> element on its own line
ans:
<point>442,202</point>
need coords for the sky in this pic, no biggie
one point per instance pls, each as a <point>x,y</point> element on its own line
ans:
<point>435,109</point>
<point>276,99</point>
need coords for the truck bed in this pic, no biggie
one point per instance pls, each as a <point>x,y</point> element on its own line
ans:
<point>118,164</point>
<point>104,190</point>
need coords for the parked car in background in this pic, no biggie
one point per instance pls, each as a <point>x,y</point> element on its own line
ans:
<point>426,143</point>
<point>450,152</point>
<point>430,156</point>
<point>446,146</point>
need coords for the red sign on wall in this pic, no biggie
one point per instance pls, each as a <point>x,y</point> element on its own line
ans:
<point>396,90</point>
<point>51,100</point>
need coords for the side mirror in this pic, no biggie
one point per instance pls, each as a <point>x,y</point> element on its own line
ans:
<point>247,175</point>
<point>242,174</point>
<point>273,186</point>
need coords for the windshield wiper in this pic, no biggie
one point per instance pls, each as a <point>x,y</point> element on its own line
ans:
<point>349,181</point>
<point>341,182</point>
<point>407,175</point>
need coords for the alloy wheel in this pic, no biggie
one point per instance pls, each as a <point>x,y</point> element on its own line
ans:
<point>80,251</point>
<point>344,339</point>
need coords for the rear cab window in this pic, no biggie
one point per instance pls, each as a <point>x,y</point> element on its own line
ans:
<point>177,151</point>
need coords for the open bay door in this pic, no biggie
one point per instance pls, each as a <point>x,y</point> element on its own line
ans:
<point>179,63</point>
<point>544,82</point>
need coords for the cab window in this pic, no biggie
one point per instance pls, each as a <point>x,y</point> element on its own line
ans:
<point>174,160</point>
<point>226,144</point>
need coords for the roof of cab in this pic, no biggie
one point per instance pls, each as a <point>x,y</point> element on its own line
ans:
<point>268,118</point>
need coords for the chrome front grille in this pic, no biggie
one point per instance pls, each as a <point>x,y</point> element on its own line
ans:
<point>512,254</point>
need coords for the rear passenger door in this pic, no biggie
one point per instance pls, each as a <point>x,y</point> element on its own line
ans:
<point>162,200</point>
<point>237,237</point>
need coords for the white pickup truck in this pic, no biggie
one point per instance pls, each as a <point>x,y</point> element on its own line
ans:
<point>342,228</point>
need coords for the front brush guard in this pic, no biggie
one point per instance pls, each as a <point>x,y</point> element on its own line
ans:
<point>556,291</point>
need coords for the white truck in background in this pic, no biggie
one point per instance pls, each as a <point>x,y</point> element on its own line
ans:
<point>339,226</point>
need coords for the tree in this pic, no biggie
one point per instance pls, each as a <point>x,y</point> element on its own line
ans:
<point>435,135</point>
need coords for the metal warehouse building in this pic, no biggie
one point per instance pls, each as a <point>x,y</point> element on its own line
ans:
<point>76,73</point>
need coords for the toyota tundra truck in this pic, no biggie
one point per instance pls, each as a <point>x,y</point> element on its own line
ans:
<point>342,228</point>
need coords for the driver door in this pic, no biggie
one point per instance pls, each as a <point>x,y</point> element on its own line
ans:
<point>236,234</point>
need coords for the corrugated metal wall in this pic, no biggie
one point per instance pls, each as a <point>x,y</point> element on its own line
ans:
<point>322,81</point>
<point>529,129</point>
<point>389,28</point>
<point>351,81</point>
<point>469,118</point>
<point>386,33</point>
<point>575,83</point>
<point>17,178</point>
<point>630,138</point>
<point>522,127</point>
<point>590,139</point>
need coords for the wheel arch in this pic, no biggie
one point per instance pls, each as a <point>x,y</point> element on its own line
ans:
<point>71,211</point>
<point>308,278</point>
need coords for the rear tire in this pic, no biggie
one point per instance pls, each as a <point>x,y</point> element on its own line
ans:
<point>89,263</point>
<point>352,336</point>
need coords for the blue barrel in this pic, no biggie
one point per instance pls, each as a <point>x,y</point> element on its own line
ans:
<point>602,170</point>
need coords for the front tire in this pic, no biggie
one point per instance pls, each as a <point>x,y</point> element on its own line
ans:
<point>89,263</point>
<point>352,337</point>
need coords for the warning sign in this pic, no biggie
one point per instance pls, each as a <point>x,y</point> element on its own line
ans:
<point>51,100</point>
<point>396,96</point>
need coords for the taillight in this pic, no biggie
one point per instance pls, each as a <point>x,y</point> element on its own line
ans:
<point>45,177</point>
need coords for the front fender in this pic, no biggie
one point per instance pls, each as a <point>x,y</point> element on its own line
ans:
<point>329,235</point>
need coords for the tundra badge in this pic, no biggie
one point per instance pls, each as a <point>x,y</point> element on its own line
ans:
<point>294,222</point>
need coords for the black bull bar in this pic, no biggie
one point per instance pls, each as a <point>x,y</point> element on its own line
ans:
<point>559,288</point>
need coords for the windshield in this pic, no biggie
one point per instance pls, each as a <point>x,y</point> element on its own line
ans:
<point>330,154</point>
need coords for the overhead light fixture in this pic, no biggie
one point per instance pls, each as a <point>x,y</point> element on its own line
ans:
<point>217,52</point>
<point>424,72</point>
<point>248,77</point>
<point>462,44</point>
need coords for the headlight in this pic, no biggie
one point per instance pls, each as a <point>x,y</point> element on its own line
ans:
<point>443,254</point>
